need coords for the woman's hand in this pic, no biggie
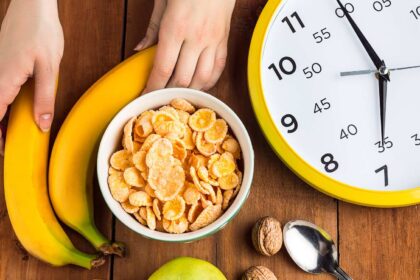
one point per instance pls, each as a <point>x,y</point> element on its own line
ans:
<point>192,37</point>
<point>31,45</point>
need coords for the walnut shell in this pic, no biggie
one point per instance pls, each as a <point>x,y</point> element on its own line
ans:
<point>259,273</point>
<point>267,236</point>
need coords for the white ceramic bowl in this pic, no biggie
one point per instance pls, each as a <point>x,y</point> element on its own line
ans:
<point>111,141</point>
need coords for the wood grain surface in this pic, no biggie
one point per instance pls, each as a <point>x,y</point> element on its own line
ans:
<point>373,243</point>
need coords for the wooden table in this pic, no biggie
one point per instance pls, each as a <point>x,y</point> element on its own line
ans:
<point>373,243</point>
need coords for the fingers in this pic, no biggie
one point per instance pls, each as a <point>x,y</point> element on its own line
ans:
<point>219,65</point>
<point>186,66</point>
<point>45,85</point>
<point>164,63</point>
<point>203,71</point>
<point>152,32</point>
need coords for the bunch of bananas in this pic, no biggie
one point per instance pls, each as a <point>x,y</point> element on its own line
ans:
<point>71,168</point>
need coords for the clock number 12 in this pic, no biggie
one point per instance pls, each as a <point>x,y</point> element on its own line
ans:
<point>385,170</point>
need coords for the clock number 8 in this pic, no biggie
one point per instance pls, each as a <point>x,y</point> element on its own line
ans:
<point>330,164</point>
<point>289,121</point>
<point>349,7</point>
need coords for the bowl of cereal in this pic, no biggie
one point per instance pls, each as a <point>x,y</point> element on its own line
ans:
<point>175,165</point>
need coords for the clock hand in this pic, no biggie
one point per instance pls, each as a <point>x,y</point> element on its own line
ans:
<point>383,91</point>
<point>365,72</point>
<point>371,52</point>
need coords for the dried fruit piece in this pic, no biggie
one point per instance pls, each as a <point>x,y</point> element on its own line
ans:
<point>143,125</point>
<point>227,196</point>
<point>191,195</point>
<point>174,209</point>
<point>194,211</point>
<point>133,177</point>
<point>118,188</point>
<point>140,198</point>
<point>177,226</point>
<point>139,160</point>
<point>131,209</point>
<point>232,146</point>
<point>204,147</point>
<point>224,165</point>
<point>202,120</point>
<point>128,142</point>
<point>156,209</point>
<point>121,160</point>
<point>228,182</point>
<point>167,182</point>
<point>182,104</point>
<point>210,214</point>
<point>150,218</point>
<point>160,153</point>
<point>217,133</point>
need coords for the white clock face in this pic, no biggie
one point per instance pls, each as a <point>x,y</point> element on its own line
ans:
<point>333,122</point>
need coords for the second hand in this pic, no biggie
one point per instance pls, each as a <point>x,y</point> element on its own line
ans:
<point>366,72</point>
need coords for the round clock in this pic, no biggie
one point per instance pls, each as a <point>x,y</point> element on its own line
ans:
<point>335,87</point>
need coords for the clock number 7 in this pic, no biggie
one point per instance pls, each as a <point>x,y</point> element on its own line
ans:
<point>385,170</point>
<point>290,24</point>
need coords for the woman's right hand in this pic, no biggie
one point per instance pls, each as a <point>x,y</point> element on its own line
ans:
<point>31,45</point>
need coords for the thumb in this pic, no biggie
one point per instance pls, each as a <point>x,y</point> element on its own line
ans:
<point>153,28</point>
<point>45,85</point>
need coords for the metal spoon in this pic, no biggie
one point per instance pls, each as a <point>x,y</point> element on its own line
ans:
<point>312,249</point>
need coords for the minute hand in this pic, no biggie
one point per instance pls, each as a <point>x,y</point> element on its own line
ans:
<point>368,47</point>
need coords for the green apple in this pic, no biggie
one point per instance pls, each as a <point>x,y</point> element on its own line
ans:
<point>186,268</point>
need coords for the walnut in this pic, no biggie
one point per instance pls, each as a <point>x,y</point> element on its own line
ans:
<point>258,273</point>
<point>267,236</point>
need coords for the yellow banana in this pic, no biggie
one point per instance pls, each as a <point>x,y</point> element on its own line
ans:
<point>25,187</point>
<point>73,156</point>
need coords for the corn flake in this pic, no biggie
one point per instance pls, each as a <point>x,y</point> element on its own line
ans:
<point>121,160</point>
<point>210,214</point>
<point>133,177</point>
<point>140,198</point>
<point>217,133</point>
<point>202,120</point>
<point>174,209</point>
<point>183,105</point>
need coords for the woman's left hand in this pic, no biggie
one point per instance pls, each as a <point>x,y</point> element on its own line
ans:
<point>191,37</point>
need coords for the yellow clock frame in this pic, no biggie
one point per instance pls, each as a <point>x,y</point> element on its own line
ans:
<point>292,159</point>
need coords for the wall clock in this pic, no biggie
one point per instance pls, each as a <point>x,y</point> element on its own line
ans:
<point>335,86</point>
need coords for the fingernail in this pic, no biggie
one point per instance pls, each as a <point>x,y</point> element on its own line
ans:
<point>140,45</point>
<point>45,122</point>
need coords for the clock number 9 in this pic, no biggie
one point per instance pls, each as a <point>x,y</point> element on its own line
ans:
<point>380,5</point>
<point>385,170</point>
<point>316,68</point>
<point>416,12</point>
<point>340,13</point>
<point>289,121</point>
<point>330,165</point>
<point>282,69</point>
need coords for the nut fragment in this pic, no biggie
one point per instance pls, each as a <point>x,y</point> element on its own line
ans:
<point>267,236</point>
<point>259,273</point>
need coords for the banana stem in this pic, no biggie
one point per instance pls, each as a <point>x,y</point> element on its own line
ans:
<point>85,260</point>
<point>101,243</point>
